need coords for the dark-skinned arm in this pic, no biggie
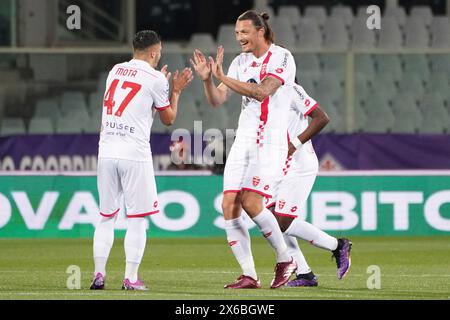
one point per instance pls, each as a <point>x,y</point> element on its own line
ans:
<point>319,120</point>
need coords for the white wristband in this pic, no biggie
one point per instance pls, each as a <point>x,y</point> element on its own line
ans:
<point>296,143</point>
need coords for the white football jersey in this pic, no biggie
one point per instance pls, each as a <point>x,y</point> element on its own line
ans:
<point>264,122</point>
<point>305,159</point>
<point>134,91</point>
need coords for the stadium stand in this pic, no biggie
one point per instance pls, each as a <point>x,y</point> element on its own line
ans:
<point>73,104</point>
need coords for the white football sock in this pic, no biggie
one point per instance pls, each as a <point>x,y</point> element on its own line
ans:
<point>239,240</point>
<point>306,231</point>
<point>103,242</point>
<point>294,250</point>
<point>270,229</point>
<point>135,241</point>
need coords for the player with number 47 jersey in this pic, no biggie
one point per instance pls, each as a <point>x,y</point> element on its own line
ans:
<point>135,92</point>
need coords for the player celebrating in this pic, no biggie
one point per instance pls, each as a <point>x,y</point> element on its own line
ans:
<point>135,91</point>
<point>258,154</point>
<point>300,173</point>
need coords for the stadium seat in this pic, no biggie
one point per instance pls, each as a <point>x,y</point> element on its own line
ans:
<point>435,117</point>
<point>416,33</point>
<point>398,13</point>
<point>12,126</point>
<point>69,125</point>
<point>291,13</point>
<point>329,86</point>
<point>362,87</point>
<point>334,63</point>
<point>47,108</point>
<point>174,61</point>
<point>227,37</point>
<point>308,84</point>
<point>214,118</point>
<point>344,13</point>
<point>416,64</point>
<point>440,62</point>
<point>362,37</point>
<point>384,83</point>
<point>422,12</point>
<point>284,33</point>
<point>308,79</point>
<point>380,115</point>
<point>337,116</point>
<point>440,32</point>
<point>411,83</point>
<point>233,109</point>
<point>95,103</point>
<point>202,41</point>
<point>389,64</point>
<point>40,126</point>
<point>265,8</point>
<point>307,62</point>
<point>335,34</point>
<point>390,35</point>
<point>360,116</point>
<point>318,13</point>
<point>189,113</point>
<point>71,101</point>
<point>309,34</point>
<point>438,83</point>
<point>408,117</point>
<point>364,64</point>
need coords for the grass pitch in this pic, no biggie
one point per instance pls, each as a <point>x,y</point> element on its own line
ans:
<point>190,269</point>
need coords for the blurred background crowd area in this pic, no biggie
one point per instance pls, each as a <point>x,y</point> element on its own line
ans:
<point>389,81</point>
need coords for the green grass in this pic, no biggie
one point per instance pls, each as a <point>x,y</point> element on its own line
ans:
<point>189,269</point>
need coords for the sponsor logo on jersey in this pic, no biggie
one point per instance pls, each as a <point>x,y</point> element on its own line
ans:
<point>293,209</point>
<point>155,204</point>
<point>232,243</point>
<point>266,187</point>
<point>281,204</point>
<point>279,70</point>
<point>256,181</point>
<point>285,60</point>
<point>268,234</point>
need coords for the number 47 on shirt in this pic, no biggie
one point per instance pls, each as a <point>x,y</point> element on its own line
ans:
<point>109,102</point>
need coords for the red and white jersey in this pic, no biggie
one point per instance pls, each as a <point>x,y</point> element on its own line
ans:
<point>134,91</point>
<point>266,121</point>
<point>305,159</point>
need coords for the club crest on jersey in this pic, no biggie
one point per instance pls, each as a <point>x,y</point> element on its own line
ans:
<point>264,69</point>
<point>293,209</point>
<point>255,64</point>
<point>281,204</point>
<point>256,181</point>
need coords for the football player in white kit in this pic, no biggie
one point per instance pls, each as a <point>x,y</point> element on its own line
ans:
<point>300,172</point>
<point>260,74</point>
<point>135,92</point>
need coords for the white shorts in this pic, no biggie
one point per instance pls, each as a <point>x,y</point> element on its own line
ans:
<point>134,180</point>
<point>253,168</point>
<point>292,193</point>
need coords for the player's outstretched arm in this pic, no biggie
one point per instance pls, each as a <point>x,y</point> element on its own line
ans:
<point>256,91</point>
<point>216,95</point>
<point>179,83</point>
<point>319,120</point>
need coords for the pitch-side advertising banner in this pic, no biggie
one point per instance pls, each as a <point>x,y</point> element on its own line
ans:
<point>67,206</point>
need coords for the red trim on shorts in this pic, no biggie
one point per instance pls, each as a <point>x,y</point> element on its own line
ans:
<point>110,215</point>
<point>284,215</point>
<point>162,108</point>
<point>142,215</point>
<point>311,110</point>
<point>258,192</point>
<point>231,191</point>
<point>270,205</point>
<point>277,77</point>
